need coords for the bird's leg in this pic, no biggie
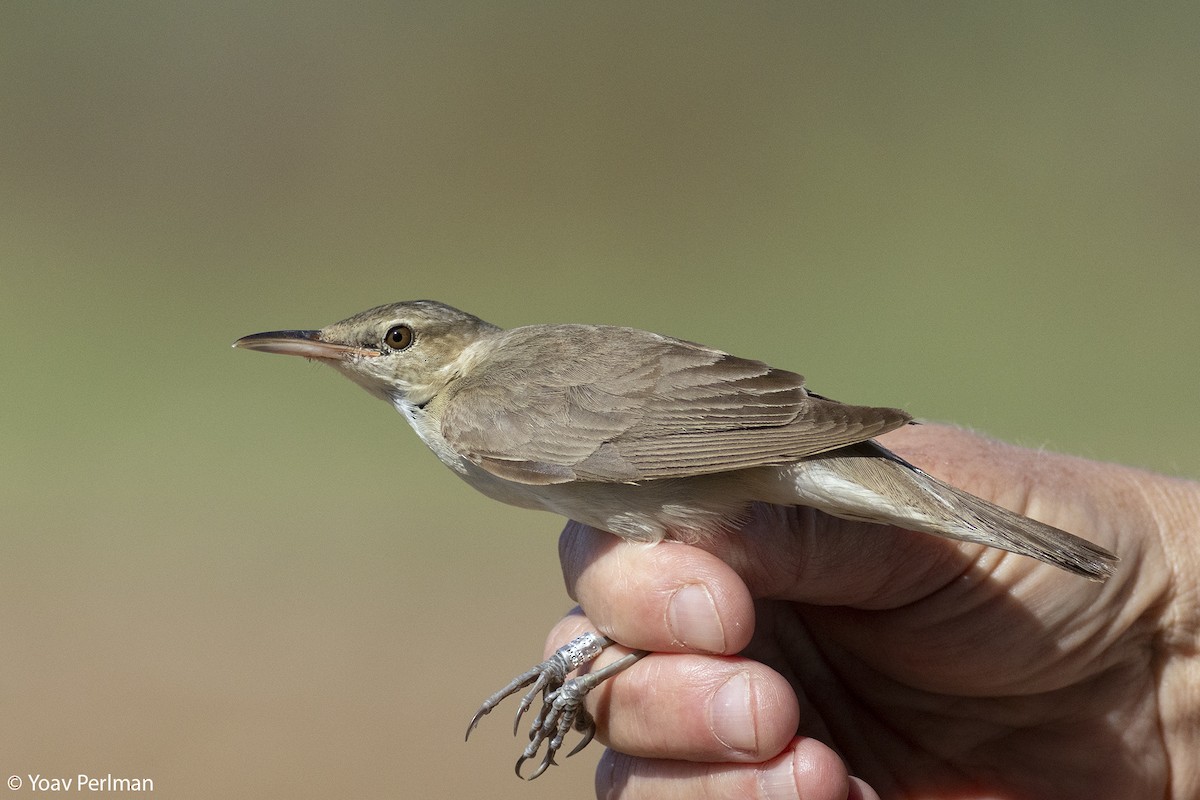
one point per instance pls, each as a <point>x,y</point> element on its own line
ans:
<point>562,700</point>
<point>562,709</point>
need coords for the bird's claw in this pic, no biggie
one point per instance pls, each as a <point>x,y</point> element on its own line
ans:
<point>562,701</point>
<point>547,682</point>
<point>562,710</point>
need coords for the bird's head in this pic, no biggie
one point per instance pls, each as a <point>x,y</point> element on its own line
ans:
<point>403,352</point>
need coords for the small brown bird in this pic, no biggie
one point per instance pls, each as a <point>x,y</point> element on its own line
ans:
<point>645,436</point>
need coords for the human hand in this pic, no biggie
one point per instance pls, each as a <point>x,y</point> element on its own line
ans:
<point>923,667</point>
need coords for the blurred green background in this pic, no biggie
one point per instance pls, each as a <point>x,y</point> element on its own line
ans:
<point>243,577</point>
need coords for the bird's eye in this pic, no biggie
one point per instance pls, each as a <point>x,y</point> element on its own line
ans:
<point>398,337</point>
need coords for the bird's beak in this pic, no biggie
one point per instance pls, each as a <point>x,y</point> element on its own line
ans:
<point>301,343</point>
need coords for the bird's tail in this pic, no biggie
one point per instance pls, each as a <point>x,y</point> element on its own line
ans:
<point>869,482</point>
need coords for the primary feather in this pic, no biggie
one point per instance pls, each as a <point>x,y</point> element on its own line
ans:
<point>619,404</point>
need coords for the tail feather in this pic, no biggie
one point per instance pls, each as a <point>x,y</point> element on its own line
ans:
<point>869,482</point>
<point>1019,534</point>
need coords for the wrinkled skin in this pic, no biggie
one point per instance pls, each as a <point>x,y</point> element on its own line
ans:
<point>817,658</point>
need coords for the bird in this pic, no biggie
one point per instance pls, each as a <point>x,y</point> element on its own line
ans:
<point>647,437</point>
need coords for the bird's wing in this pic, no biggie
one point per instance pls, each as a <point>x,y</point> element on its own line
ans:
<point>573,402</point>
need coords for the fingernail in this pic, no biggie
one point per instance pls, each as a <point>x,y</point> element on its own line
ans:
<point>693,619</point>
<point>730,717</point>
<point>779,782</point>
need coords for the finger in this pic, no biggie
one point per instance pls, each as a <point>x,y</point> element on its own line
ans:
<point>672,597</point>
<point>715,708</point>
<point>667,598</point>
<point>799,554</point>
<point>806,769</point>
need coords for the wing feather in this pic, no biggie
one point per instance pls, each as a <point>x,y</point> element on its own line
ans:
<point>557,403</point>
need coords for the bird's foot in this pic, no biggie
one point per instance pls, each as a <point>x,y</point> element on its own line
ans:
<point>562,709</point>
<point>562,700</point>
